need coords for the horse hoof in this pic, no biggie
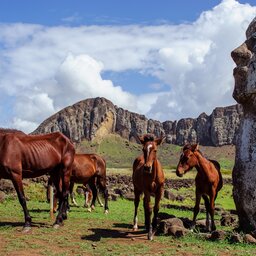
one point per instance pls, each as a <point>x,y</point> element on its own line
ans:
<point>89,209</point>
<point>26,229</point>
<point>56,226</point>
<point>150,237</point>
<point>101,205</point>
<point>106,211</point>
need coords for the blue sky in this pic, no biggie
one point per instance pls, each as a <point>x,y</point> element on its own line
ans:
<point>100,12</point>
<point>159,58</point>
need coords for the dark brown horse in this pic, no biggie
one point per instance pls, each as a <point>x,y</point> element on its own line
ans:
<point>208,179</point>
<point>29,156</point>
<point>89,169</point>
<point>148,179</point>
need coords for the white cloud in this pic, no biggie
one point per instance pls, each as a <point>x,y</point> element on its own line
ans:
<point>79,77</point>
<point>48,68</point>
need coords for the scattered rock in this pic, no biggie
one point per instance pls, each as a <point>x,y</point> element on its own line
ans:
<point>166,224</point>
<point>249,239</point>
<point>235,238</point>
<point>169,195</point>
<point>2,196</point>
<point>218,235</point>
<point>176,231</point>
<point>228,220</point>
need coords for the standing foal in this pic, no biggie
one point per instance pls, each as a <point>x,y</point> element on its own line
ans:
<point>148,178</point>
<point>208,179</point>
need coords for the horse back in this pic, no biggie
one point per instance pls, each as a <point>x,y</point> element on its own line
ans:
<point>35,152</point>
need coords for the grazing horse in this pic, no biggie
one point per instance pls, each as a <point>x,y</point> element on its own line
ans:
<point>208,179</point>
<point>89,169</point>
<point>148,178</point>
<point>29,156</point>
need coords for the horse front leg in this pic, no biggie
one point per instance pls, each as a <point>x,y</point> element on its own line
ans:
<point>72,194</point>
<point>136,205</point>
<point>148,213</point>
<point>17,183</point>
<point>196,208</point>
<point>158,196</point>
<point>94,195</point>
<point>102,183</point>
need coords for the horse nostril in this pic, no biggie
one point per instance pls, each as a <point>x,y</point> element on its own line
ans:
<point>147,168</point>
<point>179,174</point>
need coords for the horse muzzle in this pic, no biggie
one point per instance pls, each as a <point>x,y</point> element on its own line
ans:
<point>179,173</point>
<point>148,168</point>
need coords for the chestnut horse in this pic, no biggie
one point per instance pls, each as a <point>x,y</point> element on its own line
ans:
<point>89,169</point>
<point>29,156</point>
<point>208,179</point>
<point>148,179</point>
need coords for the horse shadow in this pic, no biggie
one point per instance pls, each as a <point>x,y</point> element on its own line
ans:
<point>21,224</point>
<point>99,233</point>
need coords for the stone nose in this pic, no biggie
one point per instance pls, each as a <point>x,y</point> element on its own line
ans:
<point>241,55</point>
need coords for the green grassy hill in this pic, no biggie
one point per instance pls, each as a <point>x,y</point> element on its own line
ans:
<point>120,153</point>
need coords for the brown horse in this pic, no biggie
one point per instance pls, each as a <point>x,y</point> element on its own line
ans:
<point>148,178</point>
<point>89,169</point>
<point>208,179</point>
<point>29,156</point>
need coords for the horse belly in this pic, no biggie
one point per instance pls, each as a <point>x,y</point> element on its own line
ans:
<point>31,164</point>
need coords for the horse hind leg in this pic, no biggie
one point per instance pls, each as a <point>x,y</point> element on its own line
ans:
<point>212,209</point>
<point>207,208</point>
<point>196,208</point>
<point>72,194</point>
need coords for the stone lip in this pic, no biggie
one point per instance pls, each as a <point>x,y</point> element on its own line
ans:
<point>97,117</point>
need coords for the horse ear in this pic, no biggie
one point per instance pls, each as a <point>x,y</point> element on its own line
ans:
<point>141,139</point>
<point>195,147</point>
<point>160,140</point>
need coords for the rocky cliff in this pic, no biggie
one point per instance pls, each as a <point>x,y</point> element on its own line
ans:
<point>97,117</point>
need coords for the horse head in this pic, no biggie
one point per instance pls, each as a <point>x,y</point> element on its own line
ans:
<point>150,144</point>
<point>188,159</point>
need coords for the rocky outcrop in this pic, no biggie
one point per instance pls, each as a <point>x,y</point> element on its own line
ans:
<point>244,178</point>
<point>94,118</point>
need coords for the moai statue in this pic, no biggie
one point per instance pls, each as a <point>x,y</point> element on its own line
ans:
<point>244,172</point>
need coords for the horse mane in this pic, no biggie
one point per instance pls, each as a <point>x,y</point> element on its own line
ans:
<point>148,137</point>
<point>189,146</point>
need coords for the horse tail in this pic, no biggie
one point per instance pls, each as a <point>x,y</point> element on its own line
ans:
<point>217,166</point>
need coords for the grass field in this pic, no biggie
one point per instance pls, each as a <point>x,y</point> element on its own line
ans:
<point>94,233</point>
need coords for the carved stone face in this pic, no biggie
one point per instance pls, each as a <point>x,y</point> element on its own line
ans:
<point>245,70</point>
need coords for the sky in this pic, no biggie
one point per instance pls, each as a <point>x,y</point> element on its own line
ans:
<point>165,59</point>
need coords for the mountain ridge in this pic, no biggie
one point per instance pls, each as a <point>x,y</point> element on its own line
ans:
<point>96,117</point>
